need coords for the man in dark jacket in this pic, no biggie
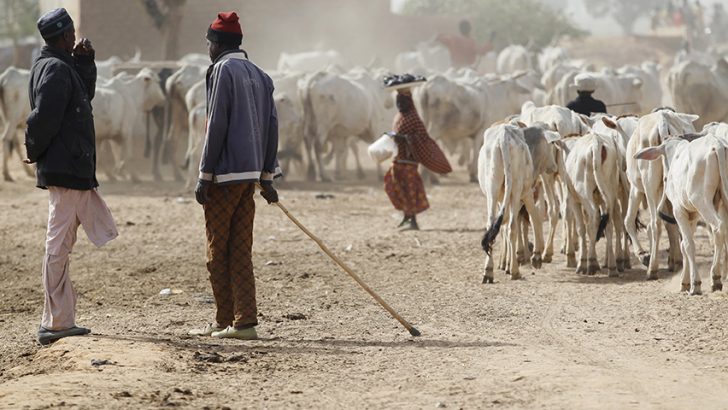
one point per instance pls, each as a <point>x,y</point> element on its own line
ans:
<point>60,140</point>
<point>241,145</point>
<point>586,104</point>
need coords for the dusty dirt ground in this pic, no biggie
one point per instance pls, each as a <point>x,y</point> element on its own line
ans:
<point>552,340</point>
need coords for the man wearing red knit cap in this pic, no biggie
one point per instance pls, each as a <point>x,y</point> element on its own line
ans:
<point>241,142</point>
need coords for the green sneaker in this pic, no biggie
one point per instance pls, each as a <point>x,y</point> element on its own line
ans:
<point>233,333</point>
<point>208,330</point>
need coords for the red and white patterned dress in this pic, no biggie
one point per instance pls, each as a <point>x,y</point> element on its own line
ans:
<point>403,183</point>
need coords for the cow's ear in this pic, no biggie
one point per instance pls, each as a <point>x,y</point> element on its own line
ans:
<point>609,123</point>
<point>650,153</point>
<point>521,125</point>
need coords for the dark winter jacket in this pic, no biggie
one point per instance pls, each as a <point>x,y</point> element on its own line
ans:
<point>241,142</point>
<point>587,105</point>
<point>60,136</point>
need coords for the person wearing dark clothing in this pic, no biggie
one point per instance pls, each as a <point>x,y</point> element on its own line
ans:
<point>60,140</point>
<point>584,103</point>
<point>240,151</point>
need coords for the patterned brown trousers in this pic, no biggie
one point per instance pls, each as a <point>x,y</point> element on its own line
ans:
<point>229,214</point>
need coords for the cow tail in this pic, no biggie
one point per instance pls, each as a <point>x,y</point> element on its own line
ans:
<point>597,151</point>
<point>492,233</point>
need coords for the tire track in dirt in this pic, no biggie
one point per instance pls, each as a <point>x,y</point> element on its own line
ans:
<point>629,370</point>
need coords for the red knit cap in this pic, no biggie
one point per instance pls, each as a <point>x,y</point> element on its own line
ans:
<point>226,29</point>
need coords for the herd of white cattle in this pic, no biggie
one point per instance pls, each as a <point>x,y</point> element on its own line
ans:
<point>505,119</point>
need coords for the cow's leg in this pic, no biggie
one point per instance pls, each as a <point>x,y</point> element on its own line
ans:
<point>612,240</point>
<point>688,247</point>
<point>710,214</point>
<point>523,252</point>
<point>619,248</point>
<point>107,158</point>
<point>319,161</point>
<point>503,263</point>
<point>580,219</point>
<point>591,215</point>
<point>635,198</point>
<point>355,151</point>
<point>308,144</point>
<point>655,232</point>
<point>18,148</point>
<point>553,216</point>
<point>675,256</point>
<point>512,241</point>
<point>178,177</point>
<point>7,142</point>
<point>537,226</point>
<point>473,151</point>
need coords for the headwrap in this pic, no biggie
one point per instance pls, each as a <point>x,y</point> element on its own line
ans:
<point>226,29</point>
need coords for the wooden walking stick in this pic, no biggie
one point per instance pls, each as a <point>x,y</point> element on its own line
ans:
<point>411,329</point>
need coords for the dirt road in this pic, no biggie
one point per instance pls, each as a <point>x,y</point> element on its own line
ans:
<point>552,340</point>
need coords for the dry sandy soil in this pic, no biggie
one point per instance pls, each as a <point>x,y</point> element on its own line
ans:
<point>552,340</point>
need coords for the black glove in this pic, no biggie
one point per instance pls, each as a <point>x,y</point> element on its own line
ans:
<point>269,193</point>
<point>201,191</point>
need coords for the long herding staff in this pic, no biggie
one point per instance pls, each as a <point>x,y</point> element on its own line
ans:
<point>411,329</point>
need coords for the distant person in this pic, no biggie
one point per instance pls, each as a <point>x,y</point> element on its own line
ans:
<point>584,103</point>
<point>60,139</point>
<point>464,50</point>
<point>241,144</point>
<point>403,183</point>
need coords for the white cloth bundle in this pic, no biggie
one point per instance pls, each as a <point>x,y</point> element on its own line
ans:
<point>383,148</point>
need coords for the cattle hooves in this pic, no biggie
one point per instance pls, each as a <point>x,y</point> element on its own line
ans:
<point>695,291</point>
<point>548,258</point>
<point>717,287</point>
<point>516,276</point>
<point>684,287</point>
<point>581,270</point>
<point>613,273</point>
<point>487,279</point>
<point>652,276</point>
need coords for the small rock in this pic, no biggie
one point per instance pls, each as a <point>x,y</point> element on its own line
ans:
<point>637,330</point>
<point>130,223</point>
<point>186,392</point>
<point>123,394</point>
<point>182,200</point>
<point>519,378</point>
<point>272,263</point>
<point>296,392</point>
<point>212,357</point>
<point>440,405</point>
<point>324,196</point>
<point>295,316</point>
<point>348,248</point>
<point>98,362</point>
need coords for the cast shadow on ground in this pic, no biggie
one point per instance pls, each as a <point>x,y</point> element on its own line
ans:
<point>300,346</point>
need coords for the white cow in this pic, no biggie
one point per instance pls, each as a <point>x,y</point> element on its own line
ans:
<point>646,183</point>
<point>699,89</point>
<point>176,86</point>
<point>195,100</point>
<point>14,110</point>
<point>118,105</point>
<point>337,107</point>
<point>514,58</point>
<point>505,173</point>
<point>592,170</point>
<point>651,89</point>
<point>309,61</point>
<point>427,57</point>
<point>552,56</point>
<point>456,111</point>
<point>697,186</point>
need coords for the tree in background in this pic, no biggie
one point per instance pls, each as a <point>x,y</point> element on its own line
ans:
<point>513,21</point>
<point>17,21</point>
<point>166,15</point>
<point>624,12</point>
